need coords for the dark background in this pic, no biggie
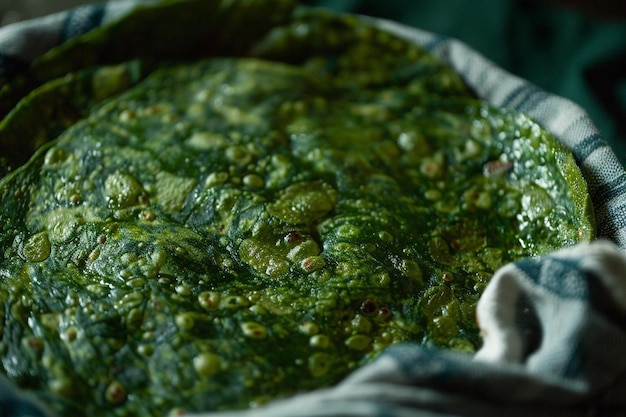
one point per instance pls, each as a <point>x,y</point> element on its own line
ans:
<point>575,48</point>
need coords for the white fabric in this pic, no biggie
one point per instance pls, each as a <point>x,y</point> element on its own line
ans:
<point>572,303</point>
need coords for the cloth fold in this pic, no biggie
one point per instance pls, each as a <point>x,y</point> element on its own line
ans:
<point>568,122</point>
<point>571,301</point>
<point>22,42</point>
<point>554,327</point>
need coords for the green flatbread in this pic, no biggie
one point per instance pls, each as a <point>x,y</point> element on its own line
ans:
<point>231,230</point>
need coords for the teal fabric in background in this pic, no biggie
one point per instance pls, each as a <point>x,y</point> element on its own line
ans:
<point>561,50</point>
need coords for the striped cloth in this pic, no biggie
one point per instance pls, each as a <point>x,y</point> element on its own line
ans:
<point>554,327</point>
<point>569,123</point>
<point>554,341</point>
<point>22,42</point>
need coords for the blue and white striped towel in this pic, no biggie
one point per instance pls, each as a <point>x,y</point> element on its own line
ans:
<point>554,327</point>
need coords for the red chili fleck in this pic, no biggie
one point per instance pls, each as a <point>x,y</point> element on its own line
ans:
<point>143,199</point>
<point>308,264</point>
<point>35,343</point>
<point>368,307</point>
<point>102,239</point>
<point>293,237</point>
<point>384,313</point>
<point>115,393</point>
<point>497,167</point>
